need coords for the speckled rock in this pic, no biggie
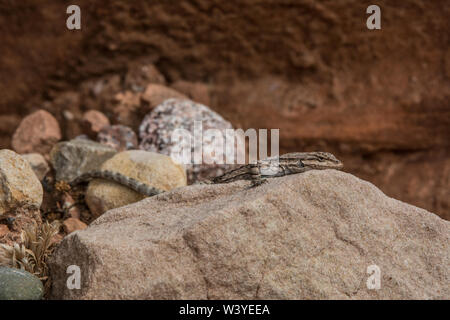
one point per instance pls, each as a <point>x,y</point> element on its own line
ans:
<point>19,186</point>
<point>315,235</point>
<point>37,132</point>
<point>158,126</point>
<point>93,121</point>
<point>75,157</point>
<point>38,164</point>
<point>119,137</point>
<point>18,284</point>
<point>151,168</point>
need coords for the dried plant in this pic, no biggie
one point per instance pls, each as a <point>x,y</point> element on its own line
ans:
<point>15,256</point>
<point>32,255</point>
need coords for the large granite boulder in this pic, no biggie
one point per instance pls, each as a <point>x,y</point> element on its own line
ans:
<point>317,235</point>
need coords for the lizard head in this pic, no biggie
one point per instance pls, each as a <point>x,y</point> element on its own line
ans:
<point>312,160</point>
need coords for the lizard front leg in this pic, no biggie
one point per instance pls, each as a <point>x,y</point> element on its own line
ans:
<point>255,176</point>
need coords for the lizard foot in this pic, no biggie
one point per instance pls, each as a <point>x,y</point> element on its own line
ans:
<point>257,183</point>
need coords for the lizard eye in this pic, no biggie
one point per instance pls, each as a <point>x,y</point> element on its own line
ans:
<point>300,164</point>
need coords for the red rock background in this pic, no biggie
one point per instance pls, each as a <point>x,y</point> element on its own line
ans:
<point>377,99</point>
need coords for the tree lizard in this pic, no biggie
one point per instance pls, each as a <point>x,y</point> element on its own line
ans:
<point>290,163</point>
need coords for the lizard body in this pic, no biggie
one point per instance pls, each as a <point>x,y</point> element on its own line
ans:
<point>290,163</point>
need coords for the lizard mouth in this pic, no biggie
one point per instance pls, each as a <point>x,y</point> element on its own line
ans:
<point>339,165</point>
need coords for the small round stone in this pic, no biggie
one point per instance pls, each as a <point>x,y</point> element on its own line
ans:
<point>18,284</point>
<point>37,132</point>
<point>93,121</point>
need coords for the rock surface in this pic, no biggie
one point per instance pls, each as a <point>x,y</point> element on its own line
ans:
<point>19,186</point>
<point>151,168</point>
<point>305,236</point>
<point>75,157</point>
<point>158,127</point>
<point>38,164</point>
<point>37,132</point>
<point>18,284</point>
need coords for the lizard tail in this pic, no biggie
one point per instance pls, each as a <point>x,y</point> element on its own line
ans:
<point>121,179</point>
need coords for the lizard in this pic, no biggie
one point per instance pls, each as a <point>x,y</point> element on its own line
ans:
<point>258,172</point>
